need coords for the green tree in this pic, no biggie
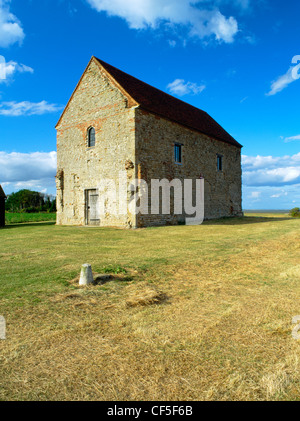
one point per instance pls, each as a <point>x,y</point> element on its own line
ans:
<point>28,201</point>
<point>295,213</point>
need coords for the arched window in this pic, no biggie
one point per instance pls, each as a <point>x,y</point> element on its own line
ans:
<point>91,137</point>
<point>220,162</point>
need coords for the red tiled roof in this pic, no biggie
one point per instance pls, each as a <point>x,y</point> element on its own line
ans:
<point>158,102</point>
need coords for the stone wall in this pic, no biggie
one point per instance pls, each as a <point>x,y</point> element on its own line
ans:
<point>155,140</point>
<point>142,144</point>
<point>98,103</point>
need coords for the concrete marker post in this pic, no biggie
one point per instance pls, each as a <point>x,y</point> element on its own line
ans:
<point>86,275</point>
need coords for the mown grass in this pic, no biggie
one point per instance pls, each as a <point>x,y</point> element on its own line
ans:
<point>267,214</point>
<point>19,218</point>
<point>191,313</point>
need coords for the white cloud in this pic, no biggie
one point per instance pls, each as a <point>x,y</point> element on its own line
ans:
<point>201,20</point>
<point>9,69</point>
<point>285,80</point>
<point>244,99</point>
<point>255,195</point>
<point>11,30</point>
<point>251,163</point>
<point>271,197</point>
<point>172,43</point>
<point>26,108</point>
<point>271,171</point>
<point>281,194</point>
<point>180,87</point>
<point>45,185</point>
<point>34,171</point>
<point>292,138</point>
<point>241,4</point>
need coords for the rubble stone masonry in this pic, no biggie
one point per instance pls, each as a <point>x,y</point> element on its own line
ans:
<point>129,138</point>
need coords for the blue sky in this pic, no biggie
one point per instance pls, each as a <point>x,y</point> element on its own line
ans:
<point>239,60</point>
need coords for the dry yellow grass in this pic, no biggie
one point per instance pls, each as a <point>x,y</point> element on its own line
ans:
<point>143,295</point>
<point>208,318</point>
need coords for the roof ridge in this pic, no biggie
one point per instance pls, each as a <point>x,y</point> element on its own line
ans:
<point>161,103</point>
<point>151,86</point>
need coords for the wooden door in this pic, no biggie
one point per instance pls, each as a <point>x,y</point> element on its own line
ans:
<point>92,207</point>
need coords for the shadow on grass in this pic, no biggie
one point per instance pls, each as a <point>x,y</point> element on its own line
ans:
<point>27,224</point>
<point>102,279</point>
<point>245,220</point>
<point>222,221</point>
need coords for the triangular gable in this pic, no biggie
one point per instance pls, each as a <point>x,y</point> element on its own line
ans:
<point>155,101</point>
<point>130,101</point>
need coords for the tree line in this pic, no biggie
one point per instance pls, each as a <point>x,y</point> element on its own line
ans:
<point>30,201</point>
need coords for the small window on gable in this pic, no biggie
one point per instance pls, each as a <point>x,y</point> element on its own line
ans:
<point>220,162</point>
<point>91,137</point>
<point>178,153</point>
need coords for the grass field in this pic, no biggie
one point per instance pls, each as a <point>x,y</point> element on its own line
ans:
<point>268,214</point>
<point>19,218</point>
<point>192,313</point>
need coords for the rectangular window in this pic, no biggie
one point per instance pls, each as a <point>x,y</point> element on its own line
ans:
<point>220,162</point>
<point>178,153</point>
